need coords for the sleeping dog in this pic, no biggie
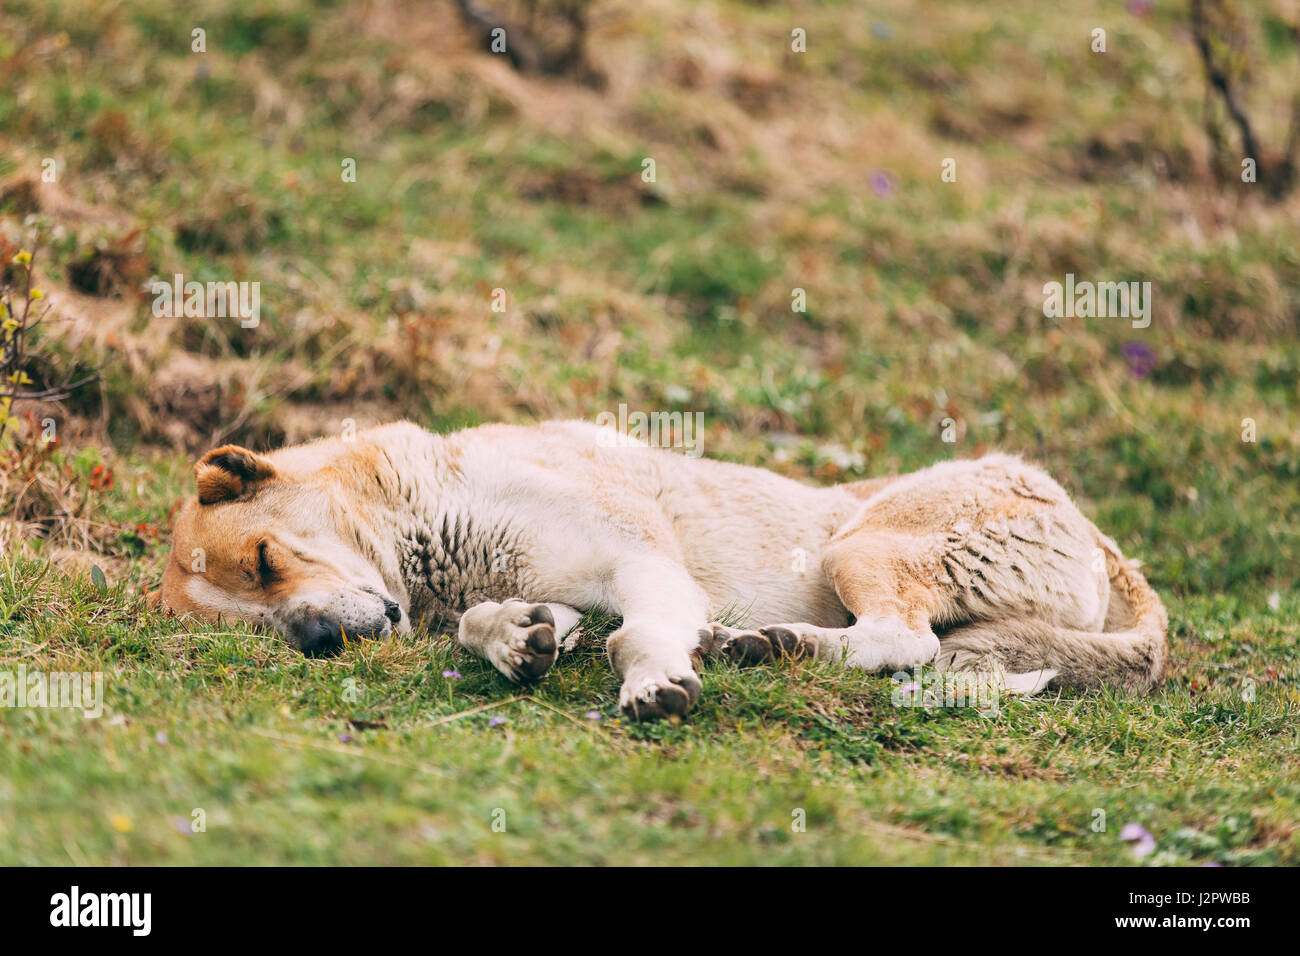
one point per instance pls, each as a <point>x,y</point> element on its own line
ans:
<point>510,533</point>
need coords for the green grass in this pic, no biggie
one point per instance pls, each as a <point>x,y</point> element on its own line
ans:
<point>924,305</point>
<point>376,757</point>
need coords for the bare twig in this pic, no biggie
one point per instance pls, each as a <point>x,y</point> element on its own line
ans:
<point>1218,31</point>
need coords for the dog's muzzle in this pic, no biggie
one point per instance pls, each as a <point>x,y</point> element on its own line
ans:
<point>321,635</point>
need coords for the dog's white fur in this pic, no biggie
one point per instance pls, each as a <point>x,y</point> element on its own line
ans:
<point>513,531</point>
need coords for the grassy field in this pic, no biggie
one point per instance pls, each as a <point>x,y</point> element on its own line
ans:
<point>924,338</point>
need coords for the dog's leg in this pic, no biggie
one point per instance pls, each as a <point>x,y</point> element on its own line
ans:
<point>892,608</point>
<point>662,610</point>
<point>517,637</point>
<point>994,549</point>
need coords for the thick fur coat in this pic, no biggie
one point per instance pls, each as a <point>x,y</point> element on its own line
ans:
<point>509,533</point>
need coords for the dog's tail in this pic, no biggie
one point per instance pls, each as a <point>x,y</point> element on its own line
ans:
<point>1131,653</point>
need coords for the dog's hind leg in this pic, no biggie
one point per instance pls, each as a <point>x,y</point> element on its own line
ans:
<point>1129,651</point>
<point>891,606</point>
<point>994,554</point>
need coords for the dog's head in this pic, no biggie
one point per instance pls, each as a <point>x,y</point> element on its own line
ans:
<point>279,547</point>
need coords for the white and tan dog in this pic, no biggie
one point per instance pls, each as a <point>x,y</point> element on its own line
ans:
<point>514,531</point>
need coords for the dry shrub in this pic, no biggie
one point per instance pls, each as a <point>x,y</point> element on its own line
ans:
<point>42,496</point>
<point>39,497</point>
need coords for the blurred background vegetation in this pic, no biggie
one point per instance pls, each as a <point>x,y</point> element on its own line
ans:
<point>775,170</point>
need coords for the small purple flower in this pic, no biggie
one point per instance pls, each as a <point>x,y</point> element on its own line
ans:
<point>1140,8</point>
<point>161,738</point>
<point>345,738</point>
<point>1144,843</point>
<point>180,825</point>
<point>451,675</point>
<point>1141,360</point>
<point>881,184</point>
<point>912,688</point>
<point>593,715</point>
<point>496,721</point>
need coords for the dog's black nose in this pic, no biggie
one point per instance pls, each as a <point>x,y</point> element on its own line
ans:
<point>392,610</point>
<point>321,636</point>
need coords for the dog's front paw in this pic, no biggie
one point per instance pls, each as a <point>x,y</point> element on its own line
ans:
<point>655,696</point>
<point>517,637</point>
<point>527,646</point>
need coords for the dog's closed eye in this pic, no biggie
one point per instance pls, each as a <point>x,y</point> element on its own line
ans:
<point>258,568</point>
<point>265,568</point>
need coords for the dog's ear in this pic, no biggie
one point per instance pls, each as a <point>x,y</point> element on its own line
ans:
<point>229,471</point>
